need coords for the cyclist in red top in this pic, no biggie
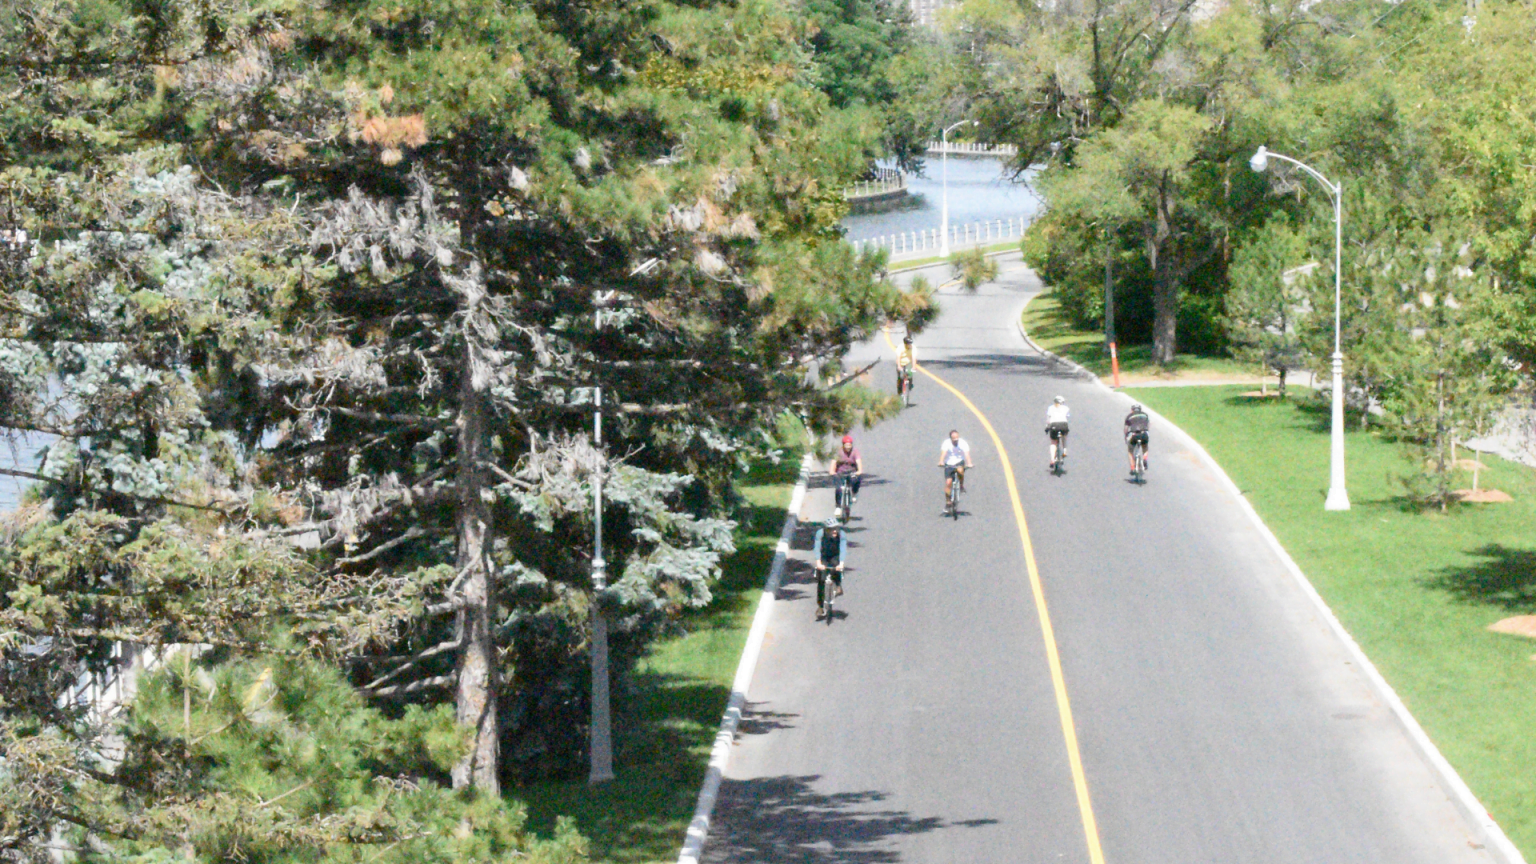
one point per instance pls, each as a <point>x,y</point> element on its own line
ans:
<point>848,461</point>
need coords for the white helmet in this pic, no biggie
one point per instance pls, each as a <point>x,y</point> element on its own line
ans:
<point>1061,400</point>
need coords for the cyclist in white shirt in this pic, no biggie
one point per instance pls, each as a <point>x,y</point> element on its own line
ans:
<point>1056,417</point>
<point>954,458</point>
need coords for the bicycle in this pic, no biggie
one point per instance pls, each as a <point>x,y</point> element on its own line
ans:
<point>904,386</point>
<point>844,495</point>
<point>1139,457</point>
<point>952,501</point>
<point>1058,450</point>
<point>828,587</point>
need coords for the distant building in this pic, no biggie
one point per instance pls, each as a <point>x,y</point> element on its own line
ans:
<point>925,12</point>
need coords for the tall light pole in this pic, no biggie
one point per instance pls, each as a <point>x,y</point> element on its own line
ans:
<point>944,186</point>
<point>601,741</point>
<point>1338,496</point>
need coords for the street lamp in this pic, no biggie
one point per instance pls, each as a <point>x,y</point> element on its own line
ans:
<point>1338,496</point>
<point>944,185</point>
<point>601,733</point>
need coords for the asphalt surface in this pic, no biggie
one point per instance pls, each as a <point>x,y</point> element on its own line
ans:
<point>1218,719</point>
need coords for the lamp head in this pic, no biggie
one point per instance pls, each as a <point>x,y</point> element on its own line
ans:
<point>1260,160</point>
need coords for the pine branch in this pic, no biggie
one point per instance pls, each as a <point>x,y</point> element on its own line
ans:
<point>375,417</point>
<point>148,499</point>
<point>851,376</point>
<point>415,661</point>
<point>418,686</point>
<point>411,534</point>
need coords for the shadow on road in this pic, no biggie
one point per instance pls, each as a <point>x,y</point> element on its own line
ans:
<point>756,721</point>
<point>1505,578</point>
<point>779,820</point>
<point>1010,364</point>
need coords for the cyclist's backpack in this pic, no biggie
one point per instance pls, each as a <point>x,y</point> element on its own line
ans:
<point>829,545</point>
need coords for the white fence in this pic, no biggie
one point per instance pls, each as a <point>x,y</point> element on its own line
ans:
<point>872,188</point>
<point>973,148</point>
<point>960,236</point>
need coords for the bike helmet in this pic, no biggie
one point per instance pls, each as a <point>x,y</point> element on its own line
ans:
<point>847,439</point>
<point>1061,400</point>
<point>907,339</point>
<point>832,520</point>
<point>1136,406</point>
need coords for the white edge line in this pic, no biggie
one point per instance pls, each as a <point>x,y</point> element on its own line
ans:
<point>720,754</point>
<point>1492,837</point>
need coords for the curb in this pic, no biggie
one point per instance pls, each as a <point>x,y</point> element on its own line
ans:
<point>1485,830</point>
<point>720,753</point>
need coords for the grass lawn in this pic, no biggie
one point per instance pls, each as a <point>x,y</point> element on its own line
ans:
<point>1416,590</point>
<point>664,733</point>
<point>1051,331</point>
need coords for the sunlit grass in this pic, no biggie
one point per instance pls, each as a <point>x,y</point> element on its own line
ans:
<point>1416,590</point>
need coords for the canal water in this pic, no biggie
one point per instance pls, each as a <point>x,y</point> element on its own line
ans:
<point>978,192</point>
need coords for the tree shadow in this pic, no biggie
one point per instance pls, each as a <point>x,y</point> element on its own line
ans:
<point>1011,364</point>
<point>784,820</point>
<point>756,721</point>
<point>1505,578</point>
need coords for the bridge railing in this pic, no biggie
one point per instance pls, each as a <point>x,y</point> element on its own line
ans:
<point>972,148</point>
<point>884,183</point>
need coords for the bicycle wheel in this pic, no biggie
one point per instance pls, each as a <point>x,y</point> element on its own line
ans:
<point>831,596</point>
<point>954,499</point>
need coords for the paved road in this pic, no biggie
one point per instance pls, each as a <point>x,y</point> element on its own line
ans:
<point>1218,719</point>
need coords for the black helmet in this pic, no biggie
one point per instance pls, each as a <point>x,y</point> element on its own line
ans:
<point>1135,406</point>
<point>907,339</point>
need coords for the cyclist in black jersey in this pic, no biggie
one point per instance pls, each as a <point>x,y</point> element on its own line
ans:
<point>1136,425</point>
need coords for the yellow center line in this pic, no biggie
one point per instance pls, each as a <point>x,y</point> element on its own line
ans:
<point>1052,656</point>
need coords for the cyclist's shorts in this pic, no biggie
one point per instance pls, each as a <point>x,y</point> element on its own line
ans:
<point>1056,430</point>
<point>1136,438</point>
<point>951,470</point>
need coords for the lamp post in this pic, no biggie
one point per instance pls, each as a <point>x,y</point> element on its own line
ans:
<point>1338,496</point>
<point>944,186</point>
<point>601,741</point>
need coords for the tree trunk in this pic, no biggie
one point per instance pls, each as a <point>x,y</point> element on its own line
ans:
<point>476,702</point>
<point>1165,286</point>
<point>1165,308</point>
<point>1109,291</point>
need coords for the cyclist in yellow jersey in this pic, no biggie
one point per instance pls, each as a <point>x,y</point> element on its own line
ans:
<point>906,360</point>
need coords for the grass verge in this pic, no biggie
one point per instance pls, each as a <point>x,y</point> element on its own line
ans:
<point>664,734</point>
<point>915,263</point>
<point>1053,332</point>
<point>1416,590</point>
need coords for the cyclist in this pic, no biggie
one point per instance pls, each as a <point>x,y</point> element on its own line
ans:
<point>1056,417</point>
<point>1136,425</point>
<point>848,461</point>
<point>906,360</point>
<point>954,458</point>
<point>831,547</point>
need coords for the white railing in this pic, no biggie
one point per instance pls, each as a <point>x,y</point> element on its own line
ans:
<point>872,188</point>
<point>973,148</point>
<point>974,233</point>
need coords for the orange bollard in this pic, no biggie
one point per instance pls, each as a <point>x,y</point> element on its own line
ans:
<point>1114,364</point>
